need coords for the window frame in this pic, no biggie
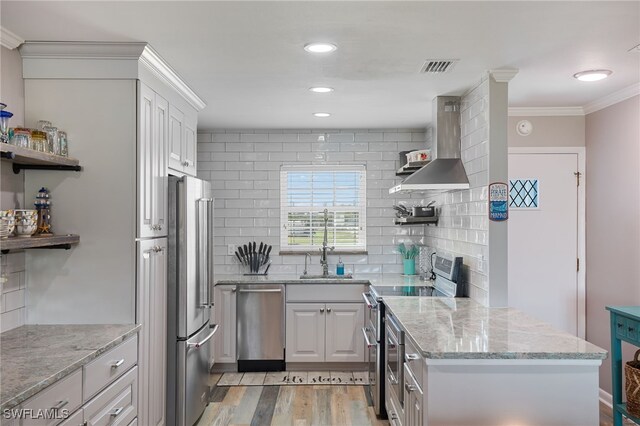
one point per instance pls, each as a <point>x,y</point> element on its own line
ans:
<point>361,208</point>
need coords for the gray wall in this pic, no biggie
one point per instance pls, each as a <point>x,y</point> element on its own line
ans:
<point>244,168</point>
<point>549,131</point>
<point>613,222</point>
<point>12,265</point>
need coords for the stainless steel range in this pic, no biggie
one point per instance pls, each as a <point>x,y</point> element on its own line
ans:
<point>447,272</point>
<point>374,335</point>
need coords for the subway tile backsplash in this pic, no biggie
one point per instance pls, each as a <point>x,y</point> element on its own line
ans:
<point>244,168</point>
<point>12,293</point>
<point>244,165</point>
<point>463,228</point>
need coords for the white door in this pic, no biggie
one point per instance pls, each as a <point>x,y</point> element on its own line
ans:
<point>543,237</point>
<point>305,332</point>
<point>344,340</point>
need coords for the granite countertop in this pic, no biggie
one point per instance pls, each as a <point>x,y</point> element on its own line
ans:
<point>447,328</point>
<point>373,279</point>
<point>33,357</point>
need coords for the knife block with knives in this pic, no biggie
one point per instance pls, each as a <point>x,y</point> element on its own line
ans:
<point>254,258</point>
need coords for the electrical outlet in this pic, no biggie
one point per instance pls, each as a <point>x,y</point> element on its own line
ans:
<point>231,249</point>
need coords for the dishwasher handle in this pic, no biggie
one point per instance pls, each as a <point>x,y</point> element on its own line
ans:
<point>260,290</point>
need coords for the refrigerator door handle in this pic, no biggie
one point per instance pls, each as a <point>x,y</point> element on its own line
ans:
<point>205,340</point>
<point>210,249</point>
<point>202,257</point>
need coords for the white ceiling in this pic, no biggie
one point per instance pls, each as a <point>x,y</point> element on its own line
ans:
<point>246,59</point>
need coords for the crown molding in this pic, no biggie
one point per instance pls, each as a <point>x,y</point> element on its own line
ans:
<point>162,69</point>
<point>102,60</point>
<point>9,39</point>
<point>545,111</point>
<point>613,98</point>
<point>503,75</point>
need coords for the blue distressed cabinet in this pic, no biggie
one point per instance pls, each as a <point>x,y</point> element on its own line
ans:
<point>625,326</point>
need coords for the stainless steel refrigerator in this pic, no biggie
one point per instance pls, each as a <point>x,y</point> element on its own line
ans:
<point>190,272</point>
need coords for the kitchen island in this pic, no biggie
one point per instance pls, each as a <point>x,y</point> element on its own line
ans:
<point>496,366</point>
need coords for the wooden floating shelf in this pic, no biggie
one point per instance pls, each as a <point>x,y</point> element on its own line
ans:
<point>55,241</point>
<point>24,158</point>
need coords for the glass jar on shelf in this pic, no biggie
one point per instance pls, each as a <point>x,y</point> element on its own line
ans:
<point>53,143</point>
<point>4,123</point>
<point>39,141</point>
<point>64,143</point>
<point>21,137</point>
<point>44,123</point>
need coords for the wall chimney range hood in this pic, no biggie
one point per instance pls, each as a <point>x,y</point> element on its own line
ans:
<point>445,171</point>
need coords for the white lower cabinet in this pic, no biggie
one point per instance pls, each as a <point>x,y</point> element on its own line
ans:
<point>152,314</point>
<point>117,404</point>
<point>413,399</point>
<point>224,341</point>
<point>324,332</point>
<point>110,396</point>
<point>305,332</point>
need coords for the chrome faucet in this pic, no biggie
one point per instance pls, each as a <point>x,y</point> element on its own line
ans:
<point>325,247</point>
<point>306,255</point>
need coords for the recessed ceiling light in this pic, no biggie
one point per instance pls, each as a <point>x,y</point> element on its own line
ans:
<point>321,89</point>
<point>321,114</point>
<point>320,47</point>
<point>592,75</point>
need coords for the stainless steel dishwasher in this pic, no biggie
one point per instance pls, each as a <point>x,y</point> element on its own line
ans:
<point>260,327</point>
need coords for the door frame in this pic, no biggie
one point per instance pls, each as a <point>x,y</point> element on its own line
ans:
<point>580,151</point>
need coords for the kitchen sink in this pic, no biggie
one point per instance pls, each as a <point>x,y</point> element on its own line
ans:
<point>326,277</point>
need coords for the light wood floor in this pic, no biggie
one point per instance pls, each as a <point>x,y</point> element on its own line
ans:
<point>301,405</point>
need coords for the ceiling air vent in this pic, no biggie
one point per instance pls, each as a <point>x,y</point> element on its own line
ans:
<point>438,66</point>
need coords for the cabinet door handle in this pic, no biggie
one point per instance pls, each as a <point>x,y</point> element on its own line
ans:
<point>60,405</point>
<point>328,310</point>
<point>411,357</point>
<point>620,325</point>
<point>631,329</point>
<point>322,310</point>
<point>116,412</point>
<point>409,388</point>
<point>117,363</point>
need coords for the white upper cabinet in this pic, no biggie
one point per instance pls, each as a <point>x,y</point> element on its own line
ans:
<point>152,163</point>
<point>182,141</point>
<point>176,135</point>
<point>189,147</point>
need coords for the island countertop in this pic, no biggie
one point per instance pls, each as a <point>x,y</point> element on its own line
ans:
<point>36,356</point>
<point>448,328</point>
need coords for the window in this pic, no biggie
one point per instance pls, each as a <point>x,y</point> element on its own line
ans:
<point>306,191</point>
<point>523,194</point>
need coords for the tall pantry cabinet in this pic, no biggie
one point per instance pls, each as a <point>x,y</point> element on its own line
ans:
<point>125,110</point>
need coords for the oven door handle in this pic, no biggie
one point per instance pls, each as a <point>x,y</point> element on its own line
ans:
<point>366,337</point>
<point>365,296</point>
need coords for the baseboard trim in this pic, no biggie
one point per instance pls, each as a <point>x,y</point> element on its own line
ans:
<point>606,398</point>
<point>228,367</point>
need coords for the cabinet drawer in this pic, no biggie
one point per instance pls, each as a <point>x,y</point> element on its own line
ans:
<point>65,394</point>
<point>395,415</point>
<point>325,292</point>
<point>109,366</point>
<point>117,404</point>
<point>621,326</point>
<point>632,329</point>
<point>413,358</point>
<point>76,419</point>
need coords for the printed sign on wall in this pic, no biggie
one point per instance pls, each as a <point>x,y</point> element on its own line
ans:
<point>498,201</point>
